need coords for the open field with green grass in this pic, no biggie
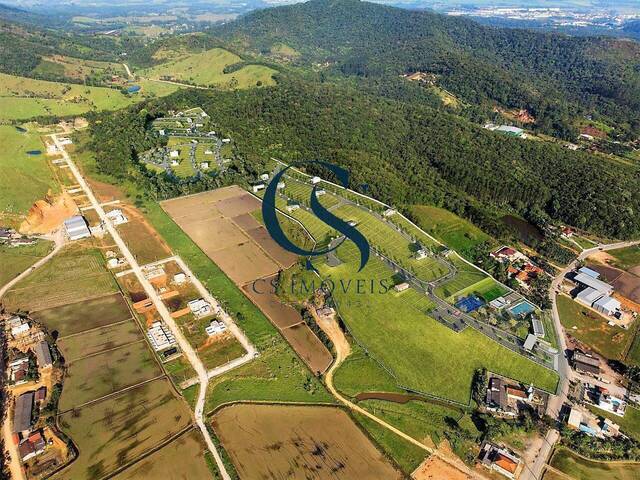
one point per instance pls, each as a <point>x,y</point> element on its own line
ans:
<point>392,243</point>
<point>183,458</point>
<point>466,278</point>
<point>98,375</point>
<point>84,315</point>
<point>207,68</point>
<point>301,192</point>
<point>23,98</point>
<point>113,432</point>
<point>592,329</point>
<point>179,370</point>
<point>487,288</point>
<point>15,260</point>
<point>78,68</point>
<point>25,178</point>
<point>626,258</point>
<point>77,273</point>
<point>95,341</point>
<point>423,354</point>
<point>582,469</point>
<point>458,233</point>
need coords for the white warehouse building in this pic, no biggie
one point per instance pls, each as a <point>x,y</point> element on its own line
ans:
<point>76,228</point>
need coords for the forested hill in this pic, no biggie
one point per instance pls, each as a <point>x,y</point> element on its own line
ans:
<point>555,77</point>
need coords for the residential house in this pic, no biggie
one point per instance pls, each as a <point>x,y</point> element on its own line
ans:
<point>22,412</point>
<point>160,336</point>
<point>401,287</point>
<point>43,354</point>
<point>200,308</point>
<point>32,446</point>
<point>215,327</point>
<point>499,459</point>
<point>586,364</point>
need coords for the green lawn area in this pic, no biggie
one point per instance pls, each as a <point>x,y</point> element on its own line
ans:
<point>458,233</point>
<point>629,424</point>
<point>25,178</point>
<point>466,278</point>
<point>392,243</point>
<point>207,68</point>
<point>633,356</point>
<point>582,469</point>
<point>16,260</point>
<point>592,329</point>
<point>626,258</point>
<point>423,354</point>
<point>487,288</point>
<point>584,242</point>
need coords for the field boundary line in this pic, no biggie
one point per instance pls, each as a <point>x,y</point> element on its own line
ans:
<point>273,402</point>
<point>112,394</point>
<point>71,335</point>
<point>71,362</point>
<point>95,297</point>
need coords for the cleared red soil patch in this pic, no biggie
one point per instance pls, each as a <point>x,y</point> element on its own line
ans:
<point>314,443</point>
<point>243,263</point>
<point>261,293</point>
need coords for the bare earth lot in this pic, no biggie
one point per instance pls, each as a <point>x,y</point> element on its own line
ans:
<point>315,443</point>
<point>221,224</point>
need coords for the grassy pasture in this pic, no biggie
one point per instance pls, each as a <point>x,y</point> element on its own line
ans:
<point>15,260</point>
<point>95,376</point>
<point>24,178</point>
<point>84,315</point>
<point>207,68</point>
<point>422,353</point>
<point>582,469</point>
<point>95,341</point>
<point>115,431</point>
<point>626,258</point>
<point>183,458</point>
<point>179,370</point>
<point>73,275</point>
<point>23,98</point>
<point>592,329</point>
<point>78,68</point>
<point>450,229</point>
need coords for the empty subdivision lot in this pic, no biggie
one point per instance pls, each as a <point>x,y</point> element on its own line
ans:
<point>276,441</point>
<point>98,375</point>
<point>115,431</point>
<point>243,249</point>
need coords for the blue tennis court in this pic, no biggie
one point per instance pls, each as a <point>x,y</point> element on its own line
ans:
<point>522,309</point>
<point>469,304</point>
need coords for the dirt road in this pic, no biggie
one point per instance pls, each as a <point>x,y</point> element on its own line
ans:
<point>184,344</point>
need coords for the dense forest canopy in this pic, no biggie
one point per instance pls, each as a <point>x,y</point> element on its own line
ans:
<point>555,77</point>
<point>405,153</point>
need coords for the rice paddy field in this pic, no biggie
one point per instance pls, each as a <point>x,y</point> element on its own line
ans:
<point>422,354</point>
<point>112,336</point>
<point>207,68</point>
<point>183,458</point>
<point>25,177</point>
<point>23,98</point>
<point>115,431</point>
<point>95,376</point>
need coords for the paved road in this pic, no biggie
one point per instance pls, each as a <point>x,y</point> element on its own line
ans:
<point>15,465</point>
<point>184,344</point>
<point>564,370</point>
